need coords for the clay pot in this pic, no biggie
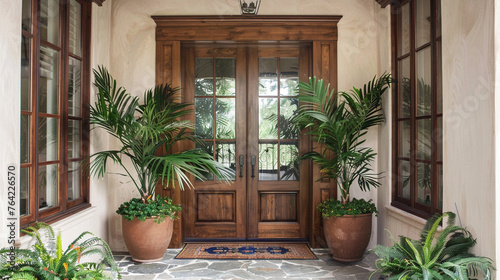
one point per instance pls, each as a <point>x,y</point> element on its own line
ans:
<point>147,241</point>
<point>348,236</point>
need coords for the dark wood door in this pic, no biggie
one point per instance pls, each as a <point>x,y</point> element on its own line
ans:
<point>244,98</point>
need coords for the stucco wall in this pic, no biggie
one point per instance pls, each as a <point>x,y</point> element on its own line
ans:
<point>133,52</point>
<point>93,219</point>
<point>10,87</point>
<point>468,104</point>
<point>468,129</point>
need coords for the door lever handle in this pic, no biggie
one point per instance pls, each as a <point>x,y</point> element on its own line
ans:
<point>242,163</point>
<point>253,162</point>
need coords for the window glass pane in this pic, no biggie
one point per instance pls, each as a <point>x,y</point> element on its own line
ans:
<point>288,110</point>
<point>268,76</point>
<point>49,21</point>
<point>424,183</point>
<point>204,121</point>
<point>225,118</point>
<point>289,76</point>
<point>268,121</point>
<point>209,148</point>
<point>268,161</point>
<point>424,82</point>
<point>423,22</point>
<point>26,74</point>
<point>225,75</point>
<point>75,28</point>
<point>26,15</point>
<point>25,138</point>
<point>74,87</point>
<point>438,27</point>
<point>48,139</point>
<point>404,88</point>
<point>48,83</point>
<point>404,183</point>
<point>225,154</point>
<point>404,30</point>
<point>48,177</point>
<point>74,138</point>
<point>204,76</point>
<point>289,161</point>
<point>404,139</point>
<point>74,172</point>
<point>24,190</point>
<point>424,139</point>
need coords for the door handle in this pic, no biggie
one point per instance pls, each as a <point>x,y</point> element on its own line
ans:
<point>242,163</point>
<point>253,162</point>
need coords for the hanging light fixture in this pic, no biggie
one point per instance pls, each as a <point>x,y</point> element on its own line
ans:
<point>251,8</point>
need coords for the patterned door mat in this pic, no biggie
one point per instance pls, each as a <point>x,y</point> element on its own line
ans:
<point>254,251</point>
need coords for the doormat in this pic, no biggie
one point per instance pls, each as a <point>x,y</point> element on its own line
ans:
<point>251,251</point>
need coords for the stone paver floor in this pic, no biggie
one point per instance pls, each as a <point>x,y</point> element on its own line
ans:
<point>322,268</point>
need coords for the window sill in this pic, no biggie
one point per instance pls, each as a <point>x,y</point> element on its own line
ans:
<point>407,218</point>
<point>61,225</point>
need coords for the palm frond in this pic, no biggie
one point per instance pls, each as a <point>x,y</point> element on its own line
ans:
<point>339,123</point>
<point>148,132</point>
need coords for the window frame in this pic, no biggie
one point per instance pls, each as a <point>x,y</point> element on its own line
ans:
<point>411,205</point>
<point>64,207</point>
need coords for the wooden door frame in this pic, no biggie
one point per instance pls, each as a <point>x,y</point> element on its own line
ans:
<point>318,31</point>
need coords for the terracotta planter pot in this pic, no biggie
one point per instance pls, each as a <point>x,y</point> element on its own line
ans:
<point>348,236</point>
<point>147,241</point>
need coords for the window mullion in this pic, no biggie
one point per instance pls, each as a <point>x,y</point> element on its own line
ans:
<point>434,131</point>
<point>63,104</point>
<point>413,102</point>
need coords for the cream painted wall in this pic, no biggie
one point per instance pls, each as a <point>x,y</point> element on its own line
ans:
<point>10,69</point>
<point>133,53</point>
<point>468,104</point>
<point>469,128</point>
<point>497,130</point>
<point>93,219</point>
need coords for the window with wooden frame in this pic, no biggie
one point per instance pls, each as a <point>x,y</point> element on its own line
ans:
<point>55,80</point>
<point>417,110</point>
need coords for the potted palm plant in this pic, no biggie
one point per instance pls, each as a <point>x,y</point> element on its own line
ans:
<point>339,122</point>
<point>146,133</point>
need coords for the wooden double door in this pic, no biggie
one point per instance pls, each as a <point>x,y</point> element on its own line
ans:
<point>244,99</point>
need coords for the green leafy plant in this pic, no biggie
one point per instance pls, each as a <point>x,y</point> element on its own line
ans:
<point>334,208</point>
<point>339,123</point>
<point>159,208</point>
<point>147,134</point>
<point>49,261</point>
<point>434,256</point>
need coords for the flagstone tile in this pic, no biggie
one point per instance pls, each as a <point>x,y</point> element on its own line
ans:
<point>191,266</point>
<point>198,269</point>
<point>226,265</point>
<point>139,277</point>
<point>147,268</point>
<point>205,273</point>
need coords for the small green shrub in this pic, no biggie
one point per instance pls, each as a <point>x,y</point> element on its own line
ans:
<point>445,257</point>
<point>159,208</point>
<point>49,261</point>
<point>333,207</point>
